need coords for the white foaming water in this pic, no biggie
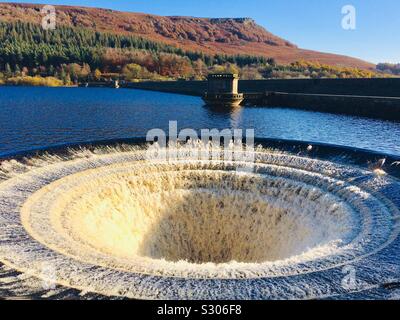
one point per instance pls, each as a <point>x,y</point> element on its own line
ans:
<point>114,222</point>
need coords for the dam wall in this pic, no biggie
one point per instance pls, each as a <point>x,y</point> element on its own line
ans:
<point>385,87</point>
<point>385,108</point>
<point>380,87</point>
<point>375,98</point>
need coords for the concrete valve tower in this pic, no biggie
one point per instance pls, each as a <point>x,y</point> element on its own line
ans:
<point>223,90</point>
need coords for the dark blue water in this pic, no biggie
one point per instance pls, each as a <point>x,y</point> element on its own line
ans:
<point>40,117</point>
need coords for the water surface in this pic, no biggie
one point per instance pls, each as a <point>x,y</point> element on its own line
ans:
<point>40,117</point>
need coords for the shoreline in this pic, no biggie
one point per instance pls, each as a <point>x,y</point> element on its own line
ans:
<point>33,86</point>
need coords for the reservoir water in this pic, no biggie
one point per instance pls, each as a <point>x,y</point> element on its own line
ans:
<point>41,117</point>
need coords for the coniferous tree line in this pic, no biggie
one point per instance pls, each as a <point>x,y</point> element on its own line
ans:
<point>29,45</point>
<point>77,54</point>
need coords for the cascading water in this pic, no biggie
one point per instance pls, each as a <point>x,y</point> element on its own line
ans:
<point>112,222</point>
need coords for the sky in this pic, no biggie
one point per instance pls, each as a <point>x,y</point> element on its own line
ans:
<point>311,24</point>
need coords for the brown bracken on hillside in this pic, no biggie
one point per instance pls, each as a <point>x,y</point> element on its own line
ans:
<point>226,35</point>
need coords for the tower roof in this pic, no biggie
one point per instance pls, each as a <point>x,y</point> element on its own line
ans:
<point>223,76</point>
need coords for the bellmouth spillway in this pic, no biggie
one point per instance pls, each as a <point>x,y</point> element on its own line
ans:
<point>107,220</point>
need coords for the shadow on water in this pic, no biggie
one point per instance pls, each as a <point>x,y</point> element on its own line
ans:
<point>220,227</point>
<point>191,230</point>
<point>233,115</point>
<point>222,111</point>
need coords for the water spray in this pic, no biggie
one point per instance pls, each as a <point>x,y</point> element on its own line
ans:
<point>116,220</point>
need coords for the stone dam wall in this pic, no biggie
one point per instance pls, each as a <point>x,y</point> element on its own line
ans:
<point>373,107</point>
<point>386,87</point>
<point>376,98</point>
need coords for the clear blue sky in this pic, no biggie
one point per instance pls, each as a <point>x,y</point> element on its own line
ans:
<point>311,24</point>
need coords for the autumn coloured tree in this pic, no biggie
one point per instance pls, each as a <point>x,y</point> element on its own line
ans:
<point>79,55</point>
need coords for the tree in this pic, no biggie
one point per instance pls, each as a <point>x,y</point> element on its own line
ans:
<point>227,68</point>
<point>78,72</point>
<point>97,74</point>
<point>63,76</point>
<point>51,70</point>
<point>200,69</point>
<point>29,47</point>
<point>232,68</point>
<point>25,71</point>
<point>73,75</point>
<point>217,69</point>
<point>7,70</point>
<point>250,73</point>
<point>17,70</point>
<point>132,71</point>
<point>85,71</point>
<point>184,68</point>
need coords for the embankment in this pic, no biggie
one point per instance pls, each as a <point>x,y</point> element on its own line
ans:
<point>376,98</point>
<point>385,108</point>
<point>379,87</point>
<point>385,87</point>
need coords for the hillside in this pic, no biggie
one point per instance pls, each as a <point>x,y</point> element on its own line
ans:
<point>210,36</point>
